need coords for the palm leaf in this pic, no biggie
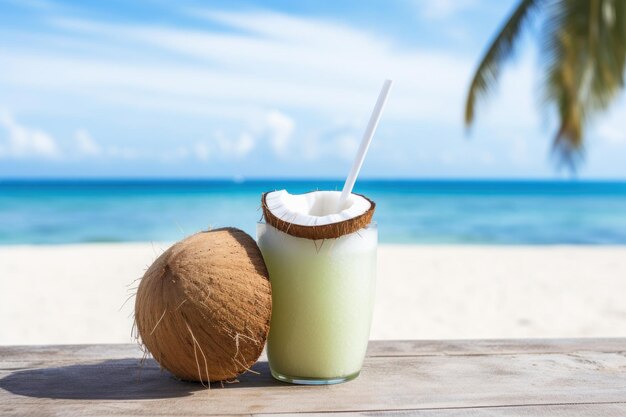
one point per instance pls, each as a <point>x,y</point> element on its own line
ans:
<point>501,48</point>
<point>585,56</point>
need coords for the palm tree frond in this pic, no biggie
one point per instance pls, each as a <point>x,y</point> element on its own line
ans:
<point>501,48</point>
<point>585,57</point>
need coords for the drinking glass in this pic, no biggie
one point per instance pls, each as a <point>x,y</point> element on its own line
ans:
<point>322,303</point>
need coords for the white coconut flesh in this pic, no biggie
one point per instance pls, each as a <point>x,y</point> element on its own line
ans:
<point>318,208</point>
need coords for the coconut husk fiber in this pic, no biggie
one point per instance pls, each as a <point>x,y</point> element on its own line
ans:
<point>203,308</point>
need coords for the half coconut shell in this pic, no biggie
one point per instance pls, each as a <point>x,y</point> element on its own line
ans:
<point>319,231</point>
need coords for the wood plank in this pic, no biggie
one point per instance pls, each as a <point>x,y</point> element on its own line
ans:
<point>22,356</point>
<point>573,410</point>
<point>115,386</point>
<point>570,410</point>
<point>493,346</point>
<point>16,357</point>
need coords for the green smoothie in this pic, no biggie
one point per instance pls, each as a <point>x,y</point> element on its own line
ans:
<point>322,303</point>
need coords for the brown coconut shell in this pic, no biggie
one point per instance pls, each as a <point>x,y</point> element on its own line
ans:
<point>327,231</point>
<point>203,308</point>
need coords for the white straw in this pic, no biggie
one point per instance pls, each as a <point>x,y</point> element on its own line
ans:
<point>365,143</point>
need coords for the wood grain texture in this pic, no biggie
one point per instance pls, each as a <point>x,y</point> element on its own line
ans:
<point>493,346</point>
<point>429,378</point>
<point>588,410</point>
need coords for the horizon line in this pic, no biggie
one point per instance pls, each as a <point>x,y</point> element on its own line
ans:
<point>237,179</point>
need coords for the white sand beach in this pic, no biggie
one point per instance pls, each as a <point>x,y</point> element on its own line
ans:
<point>75,293</point>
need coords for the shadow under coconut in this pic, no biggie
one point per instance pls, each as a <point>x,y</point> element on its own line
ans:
<point>118,379</point>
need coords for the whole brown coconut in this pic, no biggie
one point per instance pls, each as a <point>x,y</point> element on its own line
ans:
<point>203,308</point>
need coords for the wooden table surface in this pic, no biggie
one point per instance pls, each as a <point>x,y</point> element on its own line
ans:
<point>561,377</point>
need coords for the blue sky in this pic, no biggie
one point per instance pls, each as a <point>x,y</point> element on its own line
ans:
<point>270,89</point>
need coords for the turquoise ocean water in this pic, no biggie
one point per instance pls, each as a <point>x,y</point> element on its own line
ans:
<point>474,212</point>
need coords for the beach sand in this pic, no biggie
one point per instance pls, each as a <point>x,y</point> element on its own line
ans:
<point>76,293</point>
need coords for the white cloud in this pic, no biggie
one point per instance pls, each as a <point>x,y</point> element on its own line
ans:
<point>280,129</point>
<point>612,134</point>
<point>310,146</point>
<point>316,69</point>
<point>122,152</point>
<point>273,128</point>
<point>345,145</point>
<point>85,144</point>
<point>181,152</point>
<point>269,60</point>
<point>237,147</point>
<point>24,141</point>
<point>341,141</point>
<point>448,157</point>
<point>201,151</point>
<point>610,127</point>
